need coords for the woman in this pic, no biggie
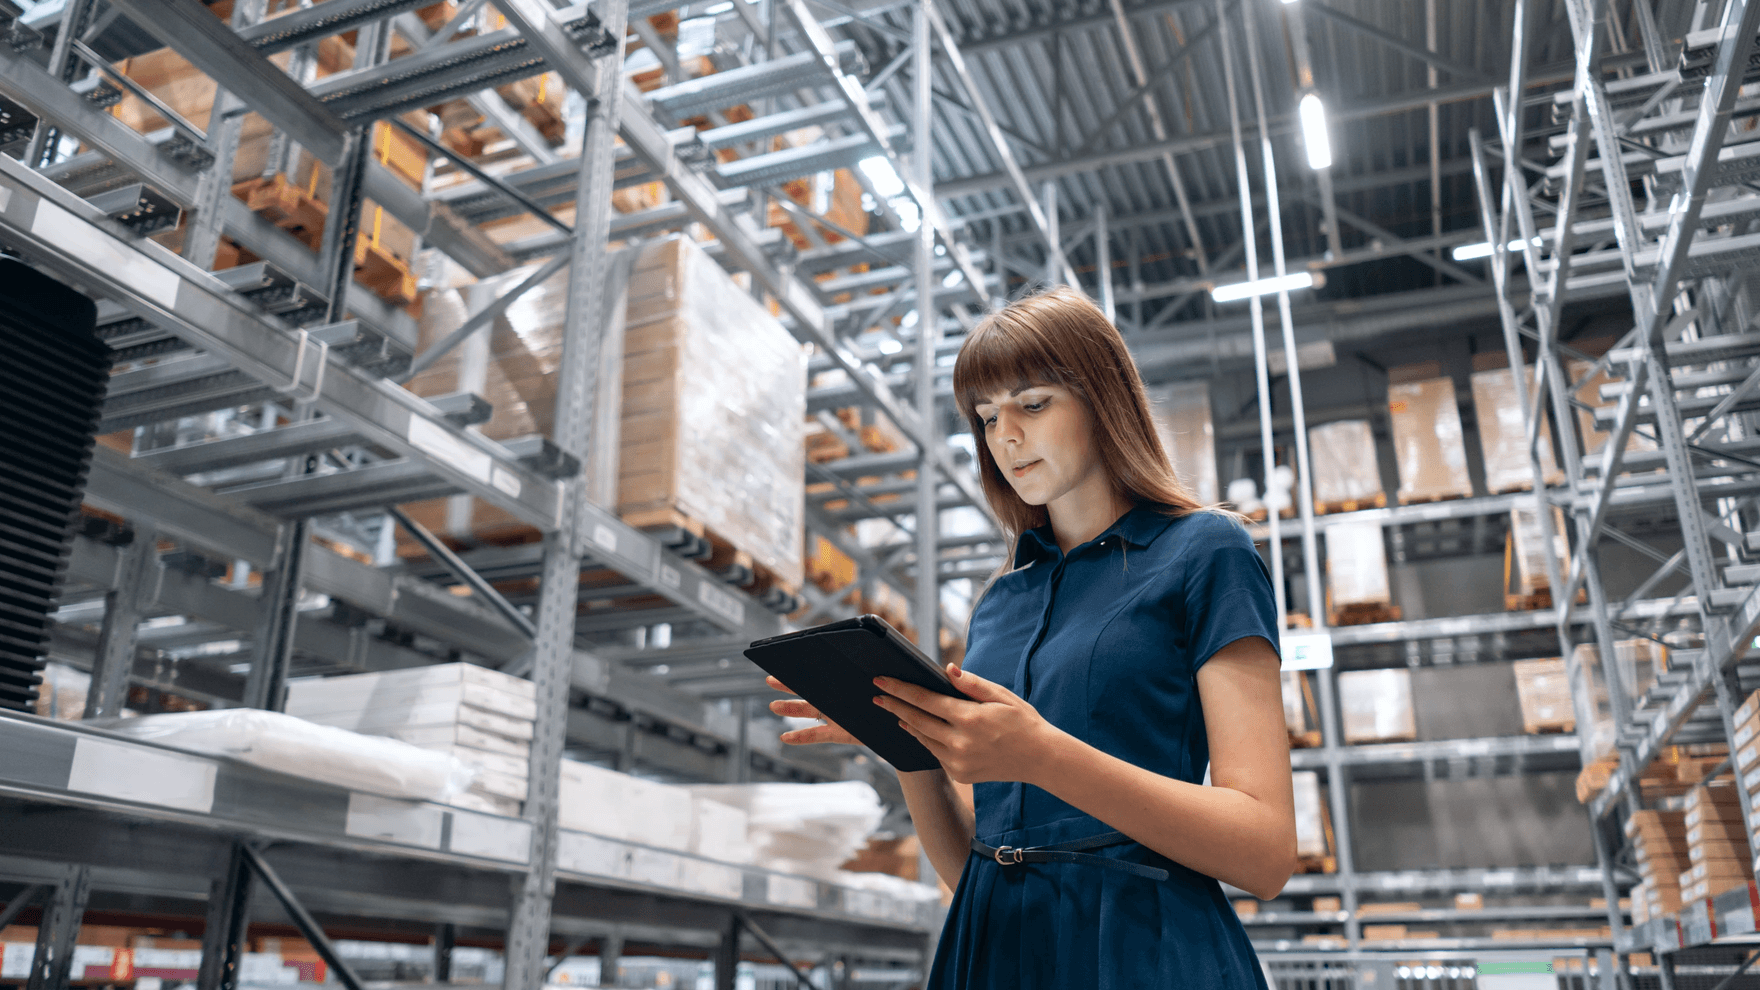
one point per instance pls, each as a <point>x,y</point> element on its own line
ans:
<point>1130,644</point>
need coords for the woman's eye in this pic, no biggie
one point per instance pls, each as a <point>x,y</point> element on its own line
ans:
<point>1033,406</point>
<point>990,421</point>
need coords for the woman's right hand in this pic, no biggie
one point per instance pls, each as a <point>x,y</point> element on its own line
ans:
<point>830,732</point>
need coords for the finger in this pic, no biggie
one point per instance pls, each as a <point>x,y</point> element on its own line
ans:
<point>812,734</point>
<point>977,688</point>
<point>915,720</point>
<point>794,708</point>
<point>771,680</point>
<point>933,745</point>
<point>930,701</point>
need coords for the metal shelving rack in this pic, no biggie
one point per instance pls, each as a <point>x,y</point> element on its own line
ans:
<point>297,335</point>
<point>1687,365</point>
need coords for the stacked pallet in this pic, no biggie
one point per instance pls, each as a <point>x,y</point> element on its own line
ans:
<point>1427,441</point>
<point>1717,842</point>
<point>1313,825</point>
<point>1376,706</point>
<point>1746,744</point>
<point>481,716</point>
<point>1659,840</point>
<point>1347,474</point>
<point>1545,696</point>
<point>1526,582</point>
<point>1183,422</point>
<point>1497,407</point>
<point>1357,589</point>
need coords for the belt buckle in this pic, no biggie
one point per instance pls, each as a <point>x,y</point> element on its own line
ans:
<point>1006,851</point>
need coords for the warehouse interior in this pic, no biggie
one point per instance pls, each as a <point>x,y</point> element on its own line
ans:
<point>414,409</point>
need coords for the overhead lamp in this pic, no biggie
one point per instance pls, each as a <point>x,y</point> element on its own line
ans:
<point>1236,291</point>
<point>1471,252</point>
<point>1313,114</point>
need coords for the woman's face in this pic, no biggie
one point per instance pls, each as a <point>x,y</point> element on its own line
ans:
<point>1042,438</point>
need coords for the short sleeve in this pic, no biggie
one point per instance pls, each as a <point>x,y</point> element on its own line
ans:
<point>1227,590</point>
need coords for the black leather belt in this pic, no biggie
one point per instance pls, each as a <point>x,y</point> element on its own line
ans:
<point>1069,852</point>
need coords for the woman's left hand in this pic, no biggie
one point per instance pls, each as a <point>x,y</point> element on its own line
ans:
<point>996,736</point>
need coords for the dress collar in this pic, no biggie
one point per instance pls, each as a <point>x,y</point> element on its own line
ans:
<point>1139,527</point>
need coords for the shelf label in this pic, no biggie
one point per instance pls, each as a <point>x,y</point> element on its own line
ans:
<point>106,254</point>
<point>669,577</point>
<point>438,443</point>
<point>143,774</point>
<point>506,481</point>
<point>1306,651</point>
<point>722,603</point>
<point>605,536</point>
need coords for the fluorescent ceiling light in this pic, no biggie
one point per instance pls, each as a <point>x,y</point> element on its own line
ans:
<point>1470,252</point>
<point>1237,291</point>
<point>889,346</point>
<point>1313,114</point>
<point>881,173</point>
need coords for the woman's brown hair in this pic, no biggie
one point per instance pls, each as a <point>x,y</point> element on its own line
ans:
<point>1059,337</point>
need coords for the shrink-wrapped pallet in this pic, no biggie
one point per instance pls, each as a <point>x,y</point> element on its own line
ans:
<point>619,806</point>
<point>1601,734</point>
<point>1347,474</point>
<point>1310,820</point>
<point>1376,705</point>
<point>1182,418</point>
<point>1356,566</point>
<point>1640,662</point>
<point>1527,572</point>
<point>708,422</point>
<point>1427,441</point>
<point>1545,696</point>
<point>1498,407</point>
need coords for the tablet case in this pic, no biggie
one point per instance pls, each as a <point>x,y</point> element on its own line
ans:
<point>833,668</point>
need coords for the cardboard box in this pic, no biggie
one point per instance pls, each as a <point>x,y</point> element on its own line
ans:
<point>1383,933</point>
<point>1427,441</point>
<point>708,422</point>
<point>1310,815</point>
<point>1295,702</point>
<point>1527,558</point>
<point>619,806</point>
<point>1183,422</point>
<point>1356,565</point>
<point>1344,464</point>
<point>1589,393</point>
<point>1640,661</point>
<point>1601,733</point>
<point>1245,907</point>
<point>1469,902</point>
<point>1327,905</point>
<point>1387,907</point>
<point>1377,705</point>
<point>1544,695</point>
<point>1498,407</point>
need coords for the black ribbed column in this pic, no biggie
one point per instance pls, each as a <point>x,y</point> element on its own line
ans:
<point>53,373</point>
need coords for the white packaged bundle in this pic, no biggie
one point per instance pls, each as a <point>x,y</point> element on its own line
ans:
<point>808,829</point>
<point>290,745</point>
<point>619,806</point>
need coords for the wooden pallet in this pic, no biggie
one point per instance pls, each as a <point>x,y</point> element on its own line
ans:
<point>1317,864</point>
<point>1351,505</point>
<point>1424,499</point>
<point>1304,740</point>
<point>1549,727</point>
<point>715,552</point>
<point>1364,614</point>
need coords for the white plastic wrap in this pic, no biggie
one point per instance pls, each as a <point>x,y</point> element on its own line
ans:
<point>1182,418</point>
<point>1310,825</point>
<point>886,883</point>
<point>294,746</point>
<point>808,829</point>
<point>1356,565</point>
<point>1345,466</point>
<point>1377,705</point>
<point>1427,441</point>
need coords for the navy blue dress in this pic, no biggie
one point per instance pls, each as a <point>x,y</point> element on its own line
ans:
<point>1106,643</point>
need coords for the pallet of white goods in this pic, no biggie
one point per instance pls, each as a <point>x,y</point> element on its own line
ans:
<point>462,736</point>
<point>619,806</point>
<point>718,831</point>
<point>495,693</point>
<point>482,759</point>
<point>474,801</point>
<point>378,722</point>
<point>499,785</point>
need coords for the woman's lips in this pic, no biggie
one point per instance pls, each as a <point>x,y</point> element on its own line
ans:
<point>1021,472</point>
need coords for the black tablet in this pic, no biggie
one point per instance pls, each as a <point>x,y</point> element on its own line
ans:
<point>833,668</point>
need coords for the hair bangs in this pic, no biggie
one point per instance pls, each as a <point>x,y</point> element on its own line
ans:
<point>1004,354</point>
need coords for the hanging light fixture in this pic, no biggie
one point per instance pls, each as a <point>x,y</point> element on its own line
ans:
<point>1313,114</point>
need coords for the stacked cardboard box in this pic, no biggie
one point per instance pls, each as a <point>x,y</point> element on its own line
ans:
<point>1717,842</point>
<point>1659,838</point>
<point>1298,705</point>
<point>1640,662</point>
<point>1498,407</point>
<point>1746,744</point>
<point>708,426</point>
<point>1589,394</point>
<point>1377,705</point>
<point>1526,582</point>
<point>619,806</point>
<point>1347,474</point>
<point>1310,816</point>
<point>1545,696</point>
<point>1427,441</point>
<point>1356,574</point>
<point>481,716</point>
<point>1182,418</point>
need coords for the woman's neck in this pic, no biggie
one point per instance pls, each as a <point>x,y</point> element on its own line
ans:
<point>1085,512</point>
